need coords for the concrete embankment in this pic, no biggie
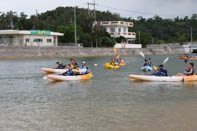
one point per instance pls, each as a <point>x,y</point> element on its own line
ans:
<point>48,52</point>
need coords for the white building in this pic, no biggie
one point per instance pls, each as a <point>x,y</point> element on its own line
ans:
<point>121,28</point>
<point>29,38</point>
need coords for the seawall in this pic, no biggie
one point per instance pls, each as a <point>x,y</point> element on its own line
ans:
<point>49,52</point>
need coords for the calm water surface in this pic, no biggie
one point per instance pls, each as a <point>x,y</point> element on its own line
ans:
<point>108,102</point>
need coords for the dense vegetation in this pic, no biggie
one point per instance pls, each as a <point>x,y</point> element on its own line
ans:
<point>152,30</point>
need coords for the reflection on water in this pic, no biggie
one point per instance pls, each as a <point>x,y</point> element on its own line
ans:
<point>110,101</point>
<point>82,83</point>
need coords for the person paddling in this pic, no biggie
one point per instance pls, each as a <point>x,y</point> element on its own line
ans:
<point>74,63</point>
<point>83,68</point>
<point>121,60</point>
<point>59,65</point>
<point>114,63</point>
<point>188,71</point>
<point>161,71</point>
<point>149,62</point>
<point>146,62</point>
<point>69,72</point>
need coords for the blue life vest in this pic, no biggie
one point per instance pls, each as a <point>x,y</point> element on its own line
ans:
<point>150,64</point>
<point>69,73</point>
<point>84,67</point>
<point>162,72</point>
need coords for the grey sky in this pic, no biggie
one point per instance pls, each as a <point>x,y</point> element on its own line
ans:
<point>128,8</point>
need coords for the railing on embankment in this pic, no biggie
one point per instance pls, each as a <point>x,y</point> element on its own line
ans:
<point>39,52</point>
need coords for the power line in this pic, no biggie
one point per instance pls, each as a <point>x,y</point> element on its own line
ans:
<point>94,5</point>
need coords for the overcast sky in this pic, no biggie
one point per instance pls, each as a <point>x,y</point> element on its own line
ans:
<point>126,8</point>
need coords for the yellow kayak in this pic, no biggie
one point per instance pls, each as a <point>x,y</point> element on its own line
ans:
<point>109,66</point>
<point>122,64</point>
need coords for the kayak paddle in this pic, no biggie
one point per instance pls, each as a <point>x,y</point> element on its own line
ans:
<point>185,61</point>
<point>115,50</point>
<point>142,54</point>
<point>165,61</point>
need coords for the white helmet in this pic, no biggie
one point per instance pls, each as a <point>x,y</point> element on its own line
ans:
<point>83,62</point>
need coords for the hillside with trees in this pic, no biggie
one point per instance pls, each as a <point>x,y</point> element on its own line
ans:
<point>152,30</point>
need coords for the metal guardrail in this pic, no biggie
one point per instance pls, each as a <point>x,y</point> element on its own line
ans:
<point>193,45</point>
<point>164,45</point>
<point>76,45</point>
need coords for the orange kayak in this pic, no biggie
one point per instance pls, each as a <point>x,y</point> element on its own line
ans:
<point>191,78</point>
<point>187,58</point>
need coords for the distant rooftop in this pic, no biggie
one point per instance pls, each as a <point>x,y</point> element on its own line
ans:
<point>30,32</point>
<point>116,23</point>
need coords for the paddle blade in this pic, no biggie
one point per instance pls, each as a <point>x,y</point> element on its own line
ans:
<point>155,68</point>
<point>115,50</point>
<point>142,54</point>
<point>165,61</point>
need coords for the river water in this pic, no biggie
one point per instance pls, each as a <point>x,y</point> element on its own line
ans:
<point>108,102</point>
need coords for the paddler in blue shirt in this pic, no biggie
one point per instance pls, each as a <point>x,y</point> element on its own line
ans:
<point>161,71</point>
<point>83,68</point>
<point>149,62</point>
<point>146,62</point>
<point>69,72</point>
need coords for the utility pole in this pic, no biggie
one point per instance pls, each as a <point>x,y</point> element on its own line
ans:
<point>35,20</point>
<point>152,40</point>
<point>191,35</point>
<point>93,4</point>
<point>88,8</point>
<point>11,20</point>
<point>75,25</point>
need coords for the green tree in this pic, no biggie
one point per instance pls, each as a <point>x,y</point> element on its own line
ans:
<point>120,39</point>
<point>145,38</point>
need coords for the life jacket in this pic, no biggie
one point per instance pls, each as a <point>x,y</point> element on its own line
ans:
<point>192,73</point>
<point>83,67</point>
<point>146,64</point>
<point>83,70</point>
<point>150,64</point>
<point>112,63</point>
<point>69,73</point>
<point>121,61</point>
<point>162,72</point>
<point>74,65</point>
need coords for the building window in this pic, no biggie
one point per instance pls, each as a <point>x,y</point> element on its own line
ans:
<point>119,30</point>
<point>38,40</point>
<point>49,40</point>
<point>27,40</point>
<point>112,30</point>
<point>125,29</point>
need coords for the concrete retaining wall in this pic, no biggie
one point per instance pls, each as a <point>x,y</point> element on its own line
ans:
<point>36,52</point>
